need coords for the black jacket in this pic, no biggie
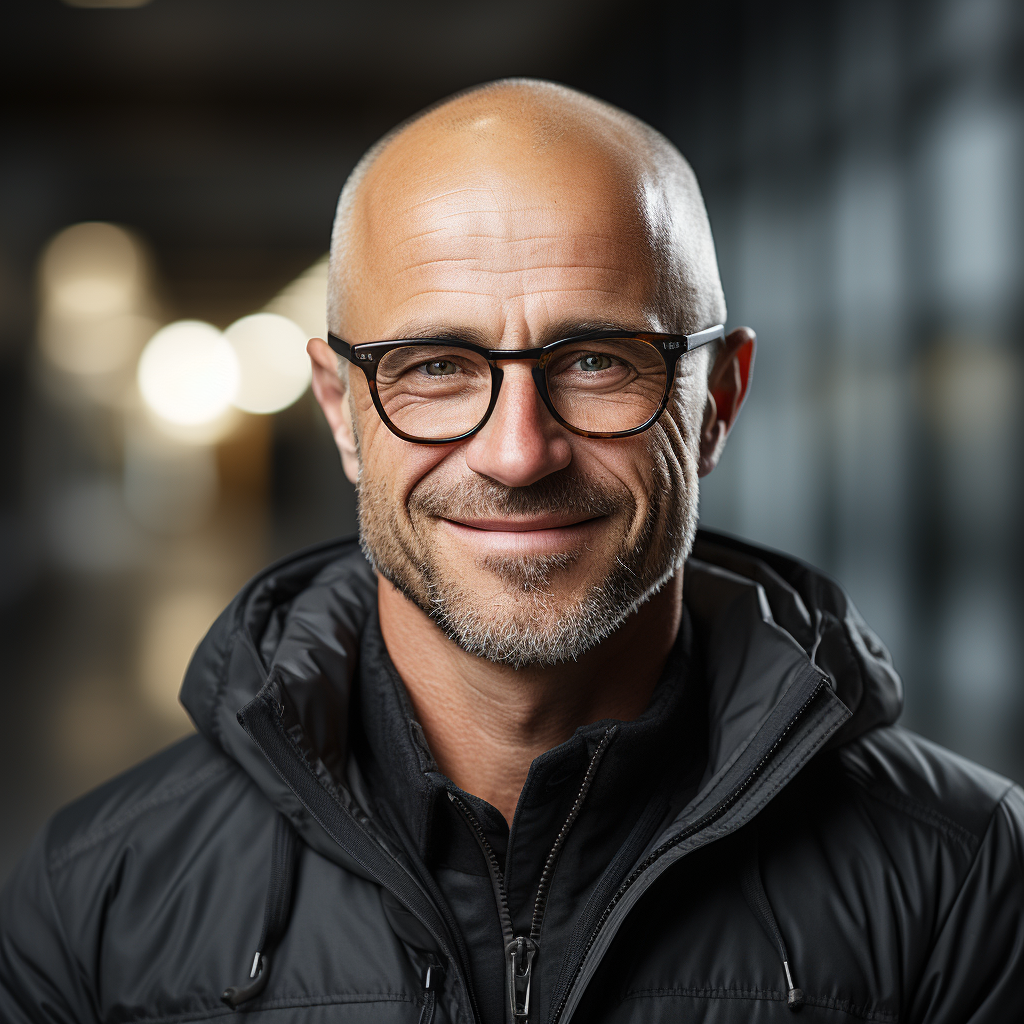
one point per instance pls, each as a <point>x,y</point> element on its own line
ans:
<point>824,858</point>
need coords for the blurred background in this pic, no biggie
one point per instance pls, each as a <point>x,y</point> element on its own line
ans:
<point>167,183</point>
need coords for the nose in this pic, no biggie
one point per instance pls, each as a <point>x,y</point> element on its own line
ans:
<point>521,443</point>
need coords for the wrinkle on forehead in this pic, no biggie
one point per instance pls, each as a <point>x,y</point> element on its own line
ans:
<point>508,253</point>
<point>499,179</point>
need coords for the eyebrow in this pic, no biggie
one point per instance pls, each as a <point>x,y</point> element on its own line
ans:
<point>565,328</point>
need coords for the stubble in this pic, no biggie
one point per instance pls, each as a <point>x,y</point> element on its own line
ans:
<point>531,623</point>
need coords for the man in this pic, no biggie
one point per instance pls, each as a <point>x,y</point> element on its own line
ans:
<point>552,758</point>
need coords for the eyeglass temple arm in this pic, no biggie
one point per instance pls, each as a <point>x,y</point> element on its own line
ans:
<point>705,337</point>
<point>343,348</point>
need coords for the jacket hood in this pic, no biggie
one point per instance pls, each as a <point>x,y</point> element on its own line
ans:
<point>760,617</point>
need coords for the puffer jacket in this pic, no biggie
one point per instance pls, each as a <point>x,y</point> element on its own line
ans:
<point>829,862</point>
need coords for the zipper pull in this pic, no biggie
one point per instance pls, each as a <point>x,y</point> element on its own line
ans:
<point>432,978</point>
<point>519,956</point>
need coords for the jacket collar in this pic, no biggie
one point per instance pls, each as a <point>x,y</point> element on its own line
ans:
<point>770,626</point>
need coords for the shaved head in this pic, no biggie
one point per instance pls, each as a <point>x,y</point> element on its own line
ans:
<point>525,127</point>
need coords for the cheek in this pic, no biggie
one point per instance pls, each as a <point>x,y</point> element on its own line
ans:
<point>635,464</point>
<point>396,466</point>
<point>673,443</point>
<point>390,466</point>
<point>684,415</point>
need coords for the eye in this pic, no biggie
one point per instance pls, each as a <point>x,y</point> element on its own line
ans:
<point>439,367</point>
<point>594,361</point>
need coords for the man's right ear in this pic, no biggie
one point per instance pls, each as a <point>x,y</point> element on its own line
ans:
<point>330,392</point>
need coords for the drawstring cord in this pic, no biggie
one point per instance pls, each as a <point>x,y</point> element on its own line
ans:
<point>283,864</point>
<point>757,900</point>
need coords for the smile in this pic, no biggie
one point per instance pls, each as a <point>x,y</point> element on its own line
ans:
<point>535,535</point>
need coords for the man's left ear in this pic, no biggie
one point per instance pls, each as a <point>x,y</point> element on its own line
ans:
<point>727,388</point>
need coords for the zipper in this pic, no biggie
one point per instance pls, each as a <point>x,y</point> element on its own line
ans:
<point>521,951</point>
<point>432,978</point>
<point>703,822</point>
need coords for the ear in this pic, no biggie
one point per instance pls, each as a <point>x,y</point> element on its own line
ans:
<point>727,388</point>
<point>330,392</point>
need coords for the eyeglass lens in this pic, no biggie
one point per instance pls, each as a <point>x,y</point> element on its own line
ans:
<point>433,391</point>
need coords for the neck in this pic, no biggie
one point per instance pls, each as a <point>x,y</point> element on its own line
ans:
<point>486,723</point>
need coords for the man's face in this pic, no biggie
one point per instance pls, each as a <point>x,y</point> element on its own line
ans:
<point>526,543</point>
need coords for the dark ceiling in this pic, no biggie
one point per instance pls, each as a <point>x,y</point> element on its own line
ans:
<point>181,48</point>
<point>222,130</point>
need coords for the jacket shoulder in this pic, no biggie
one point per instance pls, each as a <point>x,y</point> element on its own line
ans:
<point>160,785</point>
<point>925,781</point>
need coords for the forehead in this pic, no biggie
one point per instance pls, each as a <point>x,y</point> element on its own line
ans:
<point>488,221</point>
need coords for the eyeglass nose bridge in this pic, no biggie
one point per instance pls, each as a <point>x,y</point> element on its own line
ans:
<point>540,382</point>
<point>498,378</point>
<point>501,355</point>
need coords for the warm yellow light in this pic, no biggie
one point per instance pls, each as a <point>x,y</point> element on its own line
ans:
<point>96,310</point>
<point>274,369</point>
<point>188,373</point>
<point>92,270</point>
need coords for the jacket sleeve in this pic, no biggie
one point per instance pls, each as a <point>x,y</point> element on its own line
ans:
<point>41,981</point>
<point>975,973</point>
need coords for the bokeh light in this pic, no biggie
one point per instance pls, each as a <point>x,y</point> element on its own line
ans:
<point>274,370</point>
<point>188,373</point>
<point>92,269</point>
<point>96,307</point>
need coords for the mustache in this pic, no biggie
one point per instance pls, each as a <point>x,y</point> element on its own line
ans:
<point>479,497</point>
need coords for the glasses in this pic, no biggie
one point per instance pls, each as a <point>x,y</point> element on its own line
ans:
<point>599,384</point>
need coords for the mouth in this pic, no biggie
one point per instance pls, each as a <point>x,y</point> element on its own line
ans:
<point>551,533</point>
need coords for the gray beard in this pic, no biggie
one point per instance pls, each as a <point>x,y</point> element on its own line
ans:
<point>532,627</point>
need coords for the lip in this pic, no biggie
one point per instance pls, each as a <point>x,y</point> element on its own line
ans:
<point>551,521</point>
<point>537,535</point>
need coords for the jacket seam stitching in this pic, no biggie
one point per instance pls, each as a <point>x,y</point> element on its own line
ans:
<point>82,844</point>
<point>755,797</point>
<point>940,928</point>
<point>326,784</point>
<point>765,995</point>
<point>80,980</point>
<point>222,685</point>
<point>781,766</point>
<point>283,1004</point>
<point>923,813</point>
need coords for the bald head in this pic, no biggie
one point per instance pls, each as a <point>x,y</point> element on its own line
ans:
<point>541,147</point>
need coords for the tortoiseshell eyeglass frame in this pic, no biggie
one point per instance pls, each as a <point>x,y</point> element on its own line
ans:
<point>367,356</point>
